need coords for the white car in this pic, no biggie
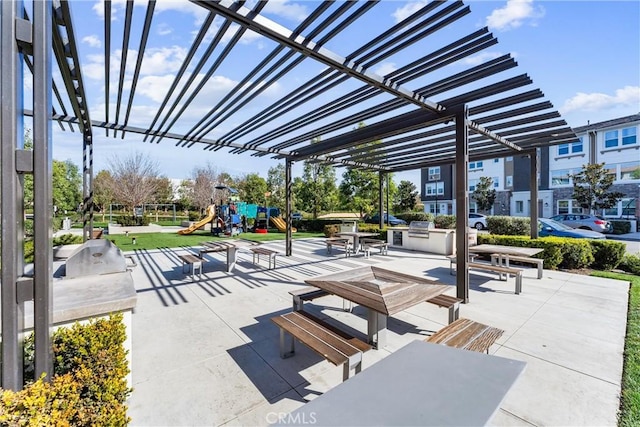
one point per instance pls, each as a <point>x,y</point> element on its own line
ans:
<point>477,221</point>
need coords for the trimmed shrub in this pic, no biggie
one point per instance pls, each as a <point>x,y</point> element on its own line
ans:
<point>576,254</point>
<point>445,221</point>
<point>88,385</point>
<point>607,254</point>
<point>509,225</point>
<point>631,264</point>
<point>621,227</point>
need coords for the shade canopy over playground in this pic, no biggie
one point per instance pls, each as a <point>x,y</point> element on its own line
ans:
<point>440,103</point>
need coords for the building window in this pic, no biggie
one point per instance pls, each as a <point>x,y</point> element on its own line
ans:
<point>611,170</point>
<point>560,177</point>
<point>611,139</point>
<point>576,147</point>
<point>510,159</point>
<point>519,206</point>
<point>568,206</point>
<point>496,181</point>
<point>629,171</point>
<point>563,149</point>
<point>496,160</point>
<point>434,173</point>
<point>473,207</point>
<point>628,208</point>
<point>629,136</point>
<point>475,165</point>
<point>472,184</point>
<point>509,180</point>
<point>433,189</point>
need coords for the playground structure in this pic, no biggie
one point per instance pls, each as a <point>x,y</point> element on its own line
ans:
<point>280,224</point>
<point>210,215</point>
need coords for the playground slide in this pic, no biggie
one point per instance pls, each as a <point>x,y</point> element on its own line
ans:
<point>281,225</point>
<point>211,214</point>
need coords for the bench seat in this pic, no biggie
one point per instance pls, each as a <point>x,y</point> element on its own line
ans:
<point>468,335</point>
<point>501,270</point>
<point>538,262</point>
<point>453,259</point>
<point>193,262</point>
<point>308,293</point>
<point>327,341</point>
<point>446,301</point>
<point>257,251</point>
<point>368,244</point>
<point>340,242</point>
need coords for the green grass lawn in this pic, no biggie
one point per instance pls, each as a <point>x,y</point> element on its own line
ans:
<point>630,399</point>
<point>175,240</point>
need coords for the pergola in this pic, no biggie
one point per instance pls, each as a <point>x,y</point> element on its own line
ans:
<point>432,110</point>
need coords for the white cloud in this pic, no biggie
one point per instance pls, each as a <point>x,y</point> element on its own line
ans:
<point>92,41</point>
<point>628,96</point>
<point>408,9</point>
<point>481,58</point>
<point>164,29</point>
<point>161,60</point>
<point>290,10</point>
<point>514,14</point>
<point>385,68</point>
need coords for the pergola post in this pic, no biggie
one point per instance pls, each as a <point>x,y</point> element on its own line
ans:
<point>533,185</point>
<point>87,184</point>
<point>381,198</point>
<point>288,188</point>
<point>12,194</point>
<point>462,205</point>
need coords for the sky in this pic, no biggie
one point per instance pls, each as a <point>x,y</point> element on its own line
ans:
<point>584,56</point>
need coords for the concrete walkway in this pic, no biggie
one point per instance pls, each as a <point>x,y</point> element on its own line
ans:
<point>206,354</point>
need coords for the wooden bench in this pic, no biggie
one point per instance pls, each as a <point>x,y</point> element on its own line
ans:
<point>468,335</point>
<point>501,270</point>
<point>343,243</point>
<point>308,293</point>
<point>453,259</point>
<point>257,251</point>
<point>335,346</point>
<point>194,263</point>
<point>446,301</point>
<point>96,233</point>
<point>368,244</point>
<point>538,262</point>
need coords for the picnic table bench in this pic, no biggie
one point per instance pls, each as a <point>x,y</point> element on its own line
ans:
<point>446,301</point>
<point>501,270</point>
<point>538,262</point>
<point>257,251</point>
<point>194,264</point>
<point>467,334</point>
<point>368,244</point>
<point>329,342</point>
<point>340,242</point>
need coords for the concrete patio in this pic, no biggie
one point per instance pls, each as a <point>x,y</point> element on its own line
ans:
<point>206,354</point>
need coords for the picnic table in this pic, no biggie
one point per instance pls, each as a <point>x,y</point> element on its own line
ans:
<point>505,253</point>
<point>421,384</point>
<point>383,292</point>
<point>230,246</point>
<point>356,235</point>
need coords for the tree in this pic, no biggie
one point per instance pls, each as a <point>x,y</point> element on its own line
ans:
<point>484,194</point>
<point>316,191</point>
<point>164,192</point>
<point>102,193</point>
<point>276,186</point>
<point>407,196</point>
<point>591,188</point>
<point>135,180</point>
<point>252,189</point>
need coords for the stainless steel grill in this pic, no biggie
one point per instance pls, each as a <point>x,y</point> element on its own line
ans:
<point>420,229</point>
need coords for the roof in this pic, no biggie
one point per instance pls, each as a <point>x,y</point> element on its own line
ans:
<point>324,68</point>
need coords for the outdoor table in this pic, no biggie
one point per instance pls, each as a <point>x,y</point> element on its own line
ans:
<point>230,246</point>
<point>356,235</point>
<point>421,384</point>
<point>383,292</point>
<point>504,252</point>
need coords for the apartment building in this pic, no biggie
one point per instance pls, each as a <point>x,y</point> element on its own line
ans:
<point>614,143</point>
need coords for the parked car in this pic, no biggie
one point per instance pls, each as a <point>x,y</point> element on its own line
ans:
<point>296,216</point>
<point>375,219</point>
<point>549,227</point>
<point>477,221</point>
<point>587,222</point>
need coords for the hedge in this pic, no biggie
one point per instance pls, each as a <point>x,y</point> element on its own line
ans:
<point>567,253</point>
<point>88,386</point>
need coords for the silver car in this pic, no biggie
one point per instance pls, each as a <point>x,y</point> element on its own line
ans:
<point>585,222</point>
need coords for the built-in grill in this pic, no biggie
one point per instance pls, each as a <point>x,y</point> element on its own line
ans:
<point>420,229</point>
<point>97,256</point>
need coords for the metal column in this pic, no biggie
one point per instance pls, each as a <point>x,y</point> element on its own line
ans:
<point>462,206</point>
<point>381,198</point>
<point>533,186</point>
<point>87,184</point>
<point>12,197</point>
<point>288,187</point>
